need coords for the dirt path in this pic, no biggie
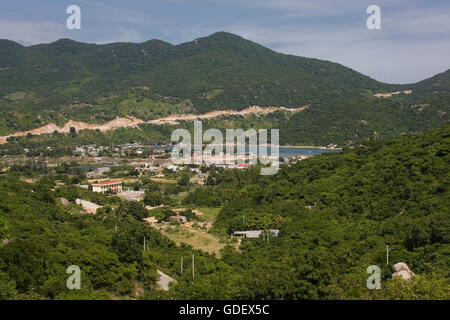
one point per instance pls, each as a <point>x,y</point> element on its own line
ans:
<point>390,94</point>
<point>130,121</point>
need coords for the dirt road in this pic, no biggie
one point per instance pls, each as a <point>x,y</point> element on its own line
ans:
<point>130,121</point>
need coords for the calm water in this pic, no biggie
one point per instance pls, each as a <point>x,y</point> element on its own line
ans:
<point>287,152</point>
<point>292,152</point>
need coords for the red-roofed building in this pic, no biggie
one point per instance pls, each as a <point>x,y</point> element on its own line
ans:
<point>114,186</point>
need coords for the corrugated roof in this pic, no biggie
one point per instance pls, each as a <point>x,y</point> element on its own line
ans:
<point>256,233</point>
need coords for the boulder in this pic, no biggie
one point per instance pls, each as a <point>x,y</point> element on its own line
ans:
<point>401,269</point>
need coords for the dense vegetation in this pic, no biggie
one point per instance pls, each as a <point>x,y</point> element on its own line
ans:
<point>96,83</point>
<point>336,213</point>
<point>43,238</point>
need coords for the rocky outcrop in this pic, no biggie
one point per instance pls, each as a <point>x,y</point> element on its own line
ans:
<point>401,269</point>
<point>64,201</point>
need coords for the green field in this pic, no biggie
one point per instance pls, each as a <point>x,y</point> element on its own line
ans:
<point>197,239</point>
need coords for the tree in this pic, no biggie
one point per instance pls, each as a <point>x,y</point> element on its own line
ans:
<point>137,210</point>
<point>7,287</point>
<point>126,247</point>
<point>184,179</point>
<point>189,215</point>
<point>420,287</point>
<point>153,198</point>
<point>133,172</point>
<point>25,262</point>
<point>3,227</point>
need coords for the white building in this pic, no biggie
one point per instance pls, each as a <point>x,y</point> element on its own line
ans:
<point>114,186</point>
<point>172,167</point>
<point>256,233</point>
<point>102,170</point>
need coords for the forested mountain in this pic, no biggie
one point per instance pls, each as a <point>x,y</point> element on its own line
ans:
<point>246,72</point>
<point>440,83</point>
<point>95,83</point>
<point>336,213</point>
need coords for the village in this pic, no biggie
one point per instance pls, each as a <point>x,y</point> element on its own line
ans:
<point>189,225</point>
<point>106,176</point>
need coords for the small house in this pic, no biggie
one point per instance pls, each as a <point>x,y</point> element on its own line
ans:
<point>179,219</point>
<point>253,234</point>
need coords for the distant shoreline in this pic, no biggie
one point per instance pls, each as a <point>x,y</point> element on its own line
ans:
<point>308,147</point>
<point>286,146</point>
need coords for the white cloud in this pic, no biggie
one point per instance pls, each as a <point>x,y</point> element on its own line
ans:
<point>118,15</point>
<point>321,8</point>
<point>383,60</point>
<point>413,44</point>
<point>424,21</point>
<point>29,32</point>
<point>395,54</point>
<point>120,34</point>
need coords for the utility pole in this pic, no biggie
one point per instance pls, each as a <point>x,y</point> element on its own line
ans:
<point>144,243</point>
<point>193,268</point>
<point>387,255</point>
<point>181,266</point>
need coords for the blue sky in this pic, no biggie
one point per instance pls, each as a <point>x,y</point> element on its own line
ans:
<point>413,44</point>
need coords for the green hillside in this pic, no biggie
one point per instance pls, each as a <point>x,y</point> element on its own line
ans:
<point>336,213</point>
<point>437,84</point>
<point>241,68</point>
<point>95,83</point>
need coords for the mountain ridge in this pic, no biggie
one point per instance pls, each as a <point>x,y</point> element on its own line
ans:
<point>69,80</point>
<point>217,36</point>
